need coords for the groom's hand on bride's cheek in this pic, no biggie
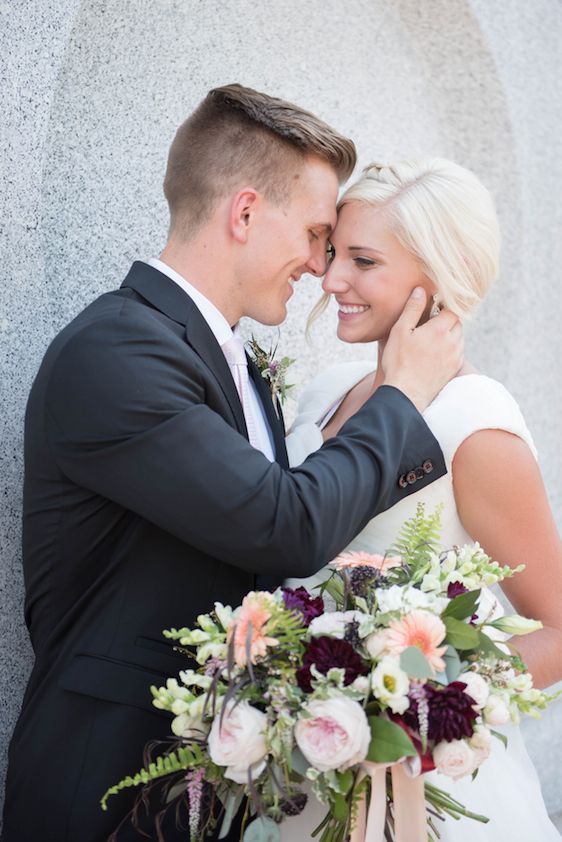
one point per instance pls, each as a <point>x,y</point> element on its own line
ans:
<point>420,360</point>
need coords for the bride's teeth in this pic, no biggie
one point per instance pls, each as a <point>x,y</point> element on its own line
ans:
<point>348,309</point>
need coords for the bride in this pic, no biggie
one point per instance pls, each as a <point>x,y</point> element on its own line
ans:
<point>431,223</point>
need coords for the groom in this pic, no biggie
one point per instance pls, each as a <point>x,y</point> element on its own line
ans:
<point>156,477</point>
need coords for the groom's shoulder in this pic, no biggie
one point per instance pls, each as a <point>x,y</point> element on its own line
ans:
<point>112,316</point>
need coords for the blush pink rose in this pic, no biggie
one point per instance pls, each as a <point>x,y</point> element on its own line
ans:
<point>455,759</point>
<point>239,743</point>
<point>334,735</point>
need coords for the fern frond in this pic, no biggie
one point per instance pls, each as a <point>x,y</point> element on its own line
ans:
<point>176,761</point>
<point>419,538</point>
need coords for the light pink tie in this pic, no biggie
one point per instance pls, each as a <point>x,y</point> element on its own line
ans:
<point>236,358</point>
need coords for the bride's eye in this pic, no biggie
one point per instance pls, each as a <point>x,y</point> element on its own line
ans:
<point>364,262</point>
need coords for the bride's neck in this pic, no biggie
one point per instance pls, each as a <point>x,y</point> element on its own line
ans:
<point>379,375</point>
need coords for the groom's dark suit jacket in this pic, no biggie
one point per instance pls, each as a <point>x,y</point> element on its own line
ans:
<point>143,504</point>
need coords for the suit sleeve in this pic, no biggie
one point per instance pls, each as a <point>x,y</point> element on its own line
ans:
<point>129,422</point>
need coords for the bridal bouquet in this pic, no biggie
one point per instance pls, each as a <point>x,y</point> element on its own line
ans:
<point>404,673</point>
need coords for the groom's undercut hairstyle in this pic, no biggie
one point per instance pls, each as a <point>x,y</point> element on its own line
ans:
<point>241,137</point>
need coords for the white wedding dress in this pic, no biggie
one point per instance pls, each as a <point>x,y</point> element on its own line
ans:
<point>506,789</point>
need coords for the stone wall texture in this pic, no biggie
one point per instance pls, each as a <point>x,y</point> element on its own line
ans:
<point>91,95</point>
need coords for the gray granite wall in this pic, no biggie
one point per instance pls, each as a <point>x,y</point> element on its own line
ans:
<point>91,94</point>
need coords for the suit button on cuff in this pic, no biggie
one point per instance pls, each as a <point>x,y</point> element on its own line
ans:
<point>427,466</point>
<point>402,482</point>
<point>411,477</point>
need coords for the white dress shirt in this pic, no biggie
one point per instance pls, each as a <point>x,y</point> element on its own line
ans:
<point>222,333</point>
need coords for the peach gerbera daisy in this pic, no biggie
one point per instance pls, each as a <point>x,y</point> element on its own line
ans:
<point>422,629</point>
<point>360,559</point>
<point>249,628</point>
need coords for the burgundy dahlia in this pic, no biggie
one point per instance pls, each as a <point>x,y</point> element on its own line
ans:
<point>299,599</point>
<point>326,653</point>
<point>450,712</point>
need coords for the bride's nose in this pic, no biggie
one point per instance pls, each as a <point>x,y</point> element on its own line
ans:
<point>334,280</point>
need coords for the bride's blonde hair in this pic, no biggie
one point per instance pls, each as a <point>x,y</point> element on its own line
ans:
<point>444,216</point>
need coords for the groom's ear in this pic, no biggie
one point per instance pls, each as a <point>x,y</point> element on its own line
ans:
<point>242,212</point>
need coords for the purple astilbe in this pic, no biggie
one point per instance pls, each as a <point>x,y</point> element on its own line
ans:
<point>417,695</point>
<point>325,653</point>
<point>194,778</point>
<point>450,713</point>
<point>300,600</point>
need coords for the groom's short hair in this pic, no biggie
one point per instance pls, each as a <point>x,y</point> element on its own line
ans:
<point>240,136</point>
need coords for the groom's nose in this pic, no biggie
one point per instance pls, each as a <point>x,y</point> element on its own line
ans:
<point>318,260</point>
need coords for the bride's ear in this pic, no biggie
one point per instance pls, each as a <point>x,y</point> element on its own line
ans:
<point>243,209</point>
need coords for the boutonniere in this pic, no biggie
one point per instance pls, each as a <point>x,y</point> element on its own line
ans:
<point>273,371</point>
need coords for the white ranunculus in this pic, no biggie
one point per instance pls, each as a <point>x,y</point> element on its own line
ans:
<point>476,687</point>
<point>333,623</point>
<point>239,743</point>
<point>481,744</point>
<point>390,684</point>
<point>454,759</point>
<point>390,599</point>
<point>335,734</point>
<point>375,644</point>
<point>496,711</point>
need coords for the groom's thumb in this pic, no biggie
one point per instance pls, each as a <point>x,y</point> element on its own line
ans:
<point>413,310</point>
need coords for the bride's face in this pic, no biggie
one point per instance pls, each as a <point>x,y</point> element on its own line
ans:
<point>371,275</point>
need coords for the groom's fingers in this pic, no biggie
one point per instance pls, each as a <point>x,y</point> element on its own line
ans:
<point>420,359</point>
<point>413,310</point>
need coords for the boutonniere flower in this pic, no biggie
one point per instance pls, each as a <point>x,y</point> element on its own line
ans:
<point>273,371</point>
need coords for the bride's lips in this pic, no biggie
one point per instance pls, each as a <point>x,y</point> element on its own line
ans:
<point>350,312</point>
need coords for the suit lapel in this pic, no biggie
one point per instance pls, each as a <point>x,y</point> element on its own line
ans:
<point>275,421</point>
<point>201,338</point>
<point>165,295</point>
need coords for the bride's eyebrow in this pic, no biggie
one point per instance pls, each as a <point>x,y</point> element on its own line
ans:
<point>365,248</point>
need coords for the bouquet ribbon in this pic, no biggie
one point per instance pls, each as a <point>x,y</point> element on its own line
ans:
<point>410,820</point>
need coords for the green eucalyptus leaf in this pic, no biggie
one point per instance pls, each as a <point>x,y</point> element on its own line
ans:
<point>487,647</point>
<point>262,830</point>
<point>462,606</point>
<point>415,664</point>
<point>175,790</point>
<point>232,805</point>
<point>461,635</point>
<point>299,763</point>
<point>453,664</point>
<point>389,742</point>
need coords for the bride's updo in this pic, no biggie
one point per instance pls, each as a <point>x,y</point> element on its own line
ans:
<point>444,216</point>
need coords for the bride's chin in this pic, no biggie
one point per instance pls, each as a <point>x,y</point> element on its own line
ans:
<point>344,334</point>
